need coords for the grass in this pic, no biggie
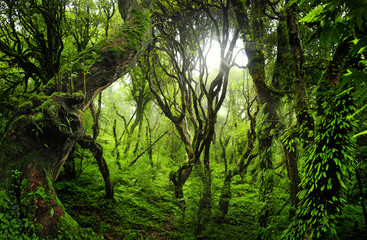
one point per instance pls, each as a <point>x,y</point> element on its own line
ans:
<point>141,208</point>
<point>144,206</point>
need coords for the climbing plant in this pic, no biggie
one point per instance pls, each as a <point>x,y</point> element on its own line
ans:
<point>328,162</point>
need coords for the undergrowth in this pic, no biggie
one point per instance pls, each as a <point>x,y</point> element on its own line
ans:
<point>144,206</point>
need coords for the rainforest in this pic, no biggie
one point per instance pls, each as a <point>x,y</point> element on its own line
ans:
<point>183,119</point>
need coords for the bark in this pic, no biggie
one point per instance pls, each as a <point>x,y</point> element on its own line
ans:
<point>304,118</point>
<point>89,142</point>
<point>138,121</point>
<point>149,139</point>
<point>118,139</point>
<point>69,166</point>
<point>292,169</point>
<point>362,197</point>
<point>306,223</point>
<point>178,179</point>
<point>37,145</point>
<point>287,62</point>
<point>292,62</point>
<point>139,135</point>
<point>253,32</point>
<point>95,115</point>
<point>41,133</point>
<point>225,197</point>
<point>205,202</point>
<point>147,149</point>
<point>117,143</point>
<point>96,149</point>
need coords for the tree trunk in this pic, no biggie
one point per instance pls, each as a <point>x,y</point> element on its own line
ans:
<point>41,133</point>
<point>253,32</point>
<point>363,198</point>
<point>241,167</point>
<point>178,179</point>
<point>69,166</point>
<point>205,203</point>
<point>293,174</point>
<point>225,197</point>
<point>117,143</point>
<point>96,149</point>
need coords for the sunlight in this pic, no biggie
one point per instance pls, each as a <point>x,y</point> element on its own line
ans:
<point>213,57</point>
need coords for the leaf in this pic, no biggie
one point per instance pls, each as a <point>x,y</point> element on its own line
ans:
<point>342,184</point>
<point>52,212</point>
<point>314,15</point>
<point>302,2</point>
<point>360,133</point>
<point>360,45</point>
<point>330,35</point>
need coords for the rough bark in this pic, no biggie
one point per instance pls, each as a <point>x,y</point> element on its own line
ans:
<point>304,118</point>
<point>96,149</point>
<point>296,60</point>
<point>253,32</point>
<point>42,132</point>
<point>362,197</point>
<point>179,178</point>
<point>69,166</point>
<point>292,169</point>
<point>288,66</point>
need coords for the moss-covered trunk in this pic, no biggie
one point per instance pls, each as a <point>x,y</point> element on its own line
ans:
<point>41,133</point>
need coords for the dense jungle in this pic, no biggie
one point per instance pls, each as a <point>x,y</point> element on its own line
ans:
<point>183,119</point>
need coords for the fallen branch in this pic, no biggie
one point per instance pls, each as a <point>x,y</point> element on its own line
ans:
<point>147,149</point>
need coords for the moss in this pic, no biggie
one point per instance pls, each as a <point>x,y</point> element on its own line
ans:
<point>135,35</point>
<point>38,98</point>
<point>68,223</point>
<point>27,105</point>
<point>38,117</point>
<point>117,52</point>
<point>78,95</point>
<point>58,94</point>
<point>13,150</point>
<point>68,228</point>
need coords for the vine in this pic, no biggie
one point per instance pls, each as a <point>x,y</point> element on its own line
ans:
<point>328,161</point>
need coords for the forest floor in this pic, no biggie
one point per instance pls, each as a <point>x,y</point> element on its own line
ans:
<point>144,206</point>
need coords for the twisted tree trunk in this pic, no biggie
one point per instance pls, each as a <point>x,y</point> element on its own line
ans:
<point>41,133</point>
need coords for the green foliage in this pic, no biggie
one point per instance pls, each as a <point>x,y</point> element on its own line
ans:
<point>12,223</point>
<point>82,20</point>
<point>141,206</point>
<point>135,34</point>
<point>144,206</point>
<point>328,163</point>
<point>350,223</point>
<point>30,61</point>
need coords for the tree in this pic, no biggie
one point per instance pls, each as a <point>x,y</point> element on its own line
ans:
<point>141,95</point>
<point>82,21</point>
<point>331,155</point>
<point>41,132</point>
<point>190,101</point>
<point>247,152</point>
<point>32,41</point>
<point>250,17</point>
